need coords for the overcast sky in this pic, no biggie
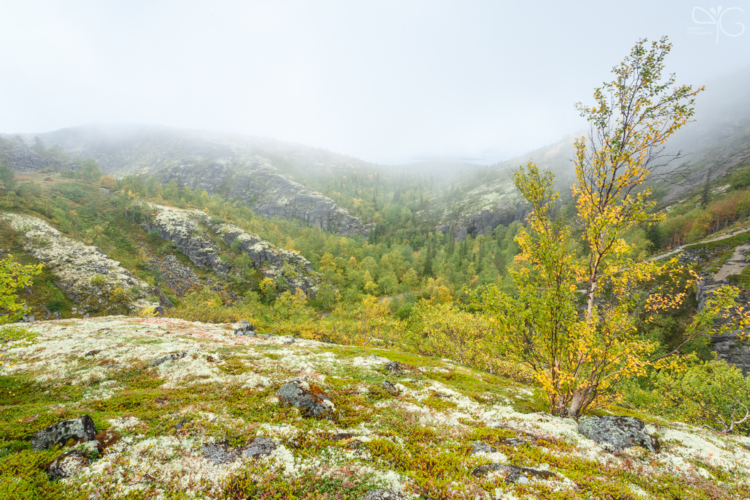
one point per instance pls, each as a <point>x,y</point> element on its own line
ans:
<point>384,81</point>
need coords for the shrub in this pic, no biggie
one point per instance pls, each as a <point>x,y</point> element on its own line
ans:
<point>713,394</point>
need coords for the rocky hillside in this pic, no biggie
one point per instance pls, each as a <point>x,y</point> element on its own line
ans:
<point>16,154</point>
<point>119,407</point>
<point>203,240</point>
<point>94,282</point>
<point>715,146</point>
<point>479,201</point>
<point>258,171</point>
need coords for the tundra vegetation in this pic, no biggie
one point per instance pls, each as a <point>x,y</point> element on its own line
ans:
<point>428,347</point>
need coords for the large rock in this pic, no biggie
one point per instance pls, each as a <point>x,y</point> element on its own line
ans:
<point>617,433</point>
<point>77,429</point>
<point>67,465</point>
<point>312,401</point>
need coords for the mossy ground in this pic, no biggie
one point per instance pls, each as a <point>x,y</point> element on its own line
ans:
<point>418,440</point>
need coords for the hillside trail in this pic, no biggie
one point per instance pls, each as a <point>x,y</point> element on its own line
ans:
<point>734,265</point>
<point>680,248</point>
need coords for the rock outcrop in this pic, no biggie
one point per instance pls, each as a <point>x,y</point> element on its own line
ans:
<point>731,347</point>
<point>83,272</point>
<point>190,232</point>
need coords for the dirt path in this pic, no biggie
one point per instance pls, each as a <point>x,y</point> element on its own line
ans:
<point>735,265</point>
<point>708,240</point>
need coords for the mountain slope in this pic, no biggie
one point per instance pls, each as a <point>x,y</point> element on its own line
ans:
<point>258,171</point>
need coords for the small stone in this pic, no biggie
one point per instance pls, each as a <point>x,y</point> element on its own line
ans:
<point>179,425</point>
<point>395,367</point>
<point>67,465</point>
<point>260,447</point>
<point>289,341</point>
<point>244,328</point>
<point>513,441</point>
<point>219,454</point>
<point>312,401</point>
<point>478,447</point>
<point>389,387</point>
<point>512,473</point>
<point>170,357</point>
<point>617,433</point>
<point>383,495</point>
<point>78,429</point>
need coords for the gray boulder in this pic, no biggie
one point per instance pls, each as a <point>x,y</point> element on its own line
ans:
<point>78,429</point>
<point>383,495</point>
<point>67,465</point>
<point>260,447</point>
<point>617,433</point>
<point>513,474</point>
<point>244,328</point>
<point>309,399</point>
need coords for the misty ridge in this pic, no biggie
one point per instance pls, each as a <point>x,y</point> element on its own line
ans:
<point>374,252</point>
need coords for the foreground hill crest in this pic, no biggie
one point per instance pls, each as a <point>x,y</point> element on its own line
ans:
<point>186,401</point>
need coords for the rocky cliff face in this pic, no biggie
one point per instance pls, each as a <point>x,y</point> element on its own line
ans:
<point>83,272</point>
<point>191,231</point>
<point>258,171</point>
<point>731,347</point>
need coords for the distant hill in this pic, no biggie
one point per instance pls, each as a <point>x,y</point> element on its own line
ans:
<point>259,171</point>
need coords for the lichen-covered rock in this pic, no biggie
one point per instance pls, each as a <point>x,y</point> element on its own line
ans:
<point>77,429</point>
<point>479,447</point>
<point>219,453</point>
<point>511,473</point>
<point>388,386</point>
<point>383,495</point>
<point>395,367</point>
<point>86,275</point>
<point>617,433</point>
<point>244,328</point>
<point>308,398</point>
<point>170,357</point>
<point>67,465</point>
<point>260,447</point>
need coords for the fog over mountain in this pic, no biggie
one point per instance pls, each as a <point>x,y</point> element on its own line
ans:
<point>388,82</point>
